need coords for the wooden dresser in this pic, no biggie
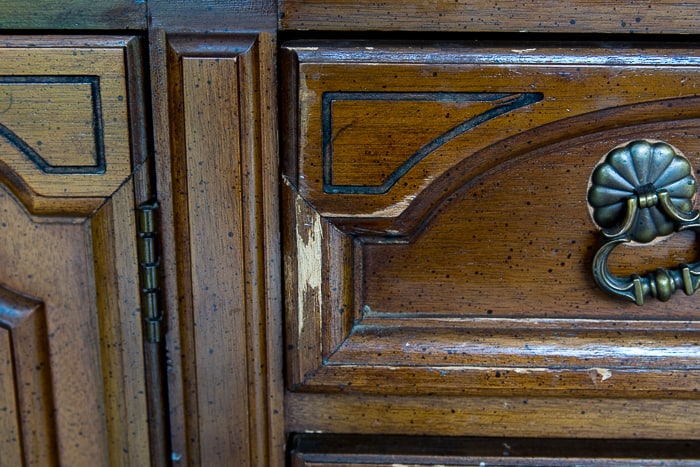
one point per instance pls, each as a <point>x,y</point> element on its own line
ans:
<point>331,233</point>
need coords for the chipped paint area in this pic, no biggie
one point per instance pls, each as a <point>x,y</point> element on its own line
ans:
<point>394,210</point>
<point>309,236</point>
<point>602,373</point>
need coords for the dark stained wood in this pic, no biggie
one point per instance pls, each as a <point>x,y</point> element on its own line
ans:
<point>316,450</point>
<point>206,16</point>
<point>580,16</point>
<point>536,417</point>
<point>437,243</point>
<point>73,14</point>
<point>77,258</point>
<point>82,80</point>
<point>27,396</point>
<point>218,159</point>
<point>438,240</point>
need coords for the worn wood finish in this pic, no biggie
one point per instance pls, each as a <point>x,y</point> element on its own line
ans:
<point>221,167</point>
<point>73,14</point>
<point>28,435</point>
<point>206,16</point>
<point>79,261</point>
<point>82,80</point>
<point>453,257</point>
<point>316,450</point>
<point>536,417</point>
<point>580,16</point>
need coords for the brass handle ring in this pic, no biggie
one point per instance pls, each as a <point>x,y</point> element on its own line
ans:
<point>639,192</point>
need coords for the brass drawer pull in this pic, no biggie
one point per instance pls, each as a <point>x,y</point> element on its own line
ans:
<point>639,192</point>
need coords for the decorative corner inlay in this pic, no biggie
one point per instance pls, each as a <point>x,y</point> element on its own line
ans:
<point>501,103</point>
<point>17,107</point>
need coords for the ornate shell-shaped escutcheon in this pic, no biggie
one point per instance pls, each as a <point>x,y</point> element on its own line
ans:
<point>635,187</point>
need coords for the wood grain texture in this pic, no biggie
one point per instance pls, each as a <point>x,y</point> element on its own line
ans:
<point>224,180</point>
<point>317,450</point>
<point>580,16</point>
<point>493,416</point>
<point>65,111</point>
<point>207,16</point>
<point>120,329</point>
<point>28,432</point>
<point>10,439</point>
<point>73,14</point>
<point>487,93</point>
<point>97,383</point>
<point>80,259</point>
<point>453,257</point>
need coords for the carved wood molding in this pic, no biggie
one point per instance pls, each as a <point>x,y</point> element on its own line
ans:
<point>471,275</point>
<point>65,137</point>
<point>27,377</point>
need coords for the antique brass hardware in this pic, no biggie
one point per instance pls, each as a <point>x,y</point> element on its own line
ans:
<point>149,261</point>
<point>639,192</point>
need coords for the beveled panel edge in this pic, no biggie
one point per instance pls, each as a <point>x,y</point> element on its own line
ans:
<point>253,57</point>
<point>25,319</point>
<point>510,102</point>
<point>430,450</point>
<point>381,212</point>
<point>369,354</point>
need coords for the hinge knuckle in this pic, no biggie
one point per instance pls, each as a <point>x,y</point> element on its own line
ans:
<point>149,271</point>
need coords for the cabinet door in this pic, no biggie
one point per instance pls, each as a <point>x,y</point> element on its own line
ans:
<point>72,386</point>
<point>439,245</point>
<point>218,178</point>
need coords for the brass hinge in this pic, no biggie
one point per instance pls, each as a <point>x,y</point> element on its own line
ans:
<point>149,271</point>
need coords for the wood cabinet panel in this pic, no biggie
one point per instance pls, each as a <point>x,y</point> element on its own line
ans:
<point>491,415</point>
<point>596,16</point>
<point>219,160</point>
<point>27,425</point>
<point>74,15</point>
<point>69,241</point>
<point>453,258</point>
<point>65,112</point>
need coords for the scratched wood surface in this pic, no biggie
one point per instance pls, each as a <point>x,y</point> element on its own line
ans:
<point>73,14</point>
<point>318,450</point>
<point>221,232</point>
<point>69,276</point>
<point>519,16</point>
<point>437,236</point>
<point>64,114</point>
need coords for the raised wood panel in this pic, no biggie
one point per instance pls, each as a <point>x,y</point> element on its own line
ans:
<point>10,440</point>
<point>456,261</point>
<point>65,111</point>
<point>80,261</point>
<point>221,156</point>
<point>28,431</point>
<point>597,16</point>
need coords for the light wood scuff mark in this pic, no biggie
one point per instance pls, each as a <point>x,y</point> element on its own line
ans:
<point>309,236</point>
<point>602,373</point>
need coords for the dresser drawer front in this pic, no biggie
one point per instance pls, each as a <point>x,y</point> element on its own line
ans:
<point>438,239</point>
